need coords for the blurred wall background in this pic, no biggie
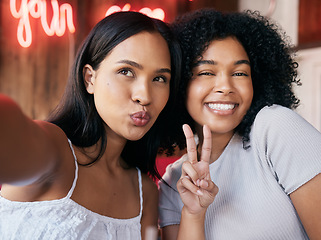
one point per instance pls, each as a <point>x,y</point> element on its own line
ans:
<point>35,76</point>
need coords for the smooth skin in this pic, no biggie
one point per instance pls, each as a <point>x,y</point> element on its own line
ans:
<point>221,91</point>
<point>306,201</point>
<point>37,163</point>
<point>219,96</point>
<point>195,186</point>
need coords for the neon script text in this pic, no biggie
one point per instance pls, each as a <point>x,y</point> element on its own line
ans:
<point>156,13</point>
<point>38,9</point>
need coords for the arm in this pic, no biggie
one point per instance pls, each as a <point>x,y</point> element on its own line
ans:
<point>306,201</point>
<point>191,227</point>
<point>294,150</point>
<point>25,145</point>
<point>170,232</point>
<point>196,188</point>
<point>150,209</point>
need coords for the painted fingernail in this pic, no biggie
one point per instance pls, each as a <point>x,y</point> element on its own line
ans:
<point>199,192</point>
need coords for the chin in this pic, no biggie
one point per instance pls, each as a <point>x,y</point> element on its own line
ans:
<point>136,137</point>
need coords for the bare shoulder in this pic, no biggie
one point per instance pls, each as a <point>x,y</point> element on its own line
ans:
<point>47,169</point>
<point>64,162</point>
<point>150,206</point>
<point>35,155</point>
<point>55,135</point>
<point>150,194</point>
<point>149,186</point>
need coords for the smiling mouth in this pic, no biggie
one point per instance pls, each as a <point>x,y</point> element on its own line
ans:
<point>141,118</point>
<point>221,106</point>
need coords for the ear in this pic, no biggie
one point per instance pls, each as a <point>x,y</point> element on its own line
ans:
<point>89,77</point>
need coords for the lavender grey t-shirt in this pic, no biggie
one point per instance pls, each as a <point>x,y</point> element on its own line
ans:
<point>254,184</point>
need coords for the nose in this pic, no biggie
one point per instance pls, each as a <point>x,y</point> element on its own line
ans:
<point>142,93</point>
<point>223,84</point>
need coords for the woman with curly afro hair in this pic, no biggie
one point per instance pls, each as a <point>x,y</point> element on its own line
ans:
<point>255,172</point>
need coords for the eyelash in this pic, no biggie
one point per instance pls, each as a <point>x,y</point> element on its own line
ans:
<point>238,74</point>
<point>125,71</point>
<point>160,77</point>
<point>205,74</point>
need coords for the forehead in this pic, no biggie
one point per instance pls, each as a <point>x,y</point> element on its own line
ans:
<point>224,48</point>
<point>148,47</point>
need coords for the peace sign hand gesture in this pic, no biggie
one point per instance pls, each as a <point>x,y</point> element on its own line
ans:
<point>195,186</point>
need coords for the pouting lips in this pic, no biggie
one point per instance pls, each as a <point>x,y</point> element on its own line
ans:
<point>140,118</point>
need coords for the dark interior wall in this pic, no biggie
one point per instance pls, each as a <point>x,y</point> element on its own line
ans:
<point>35,77</point>
<point>222,5</point>
<point>309,23</point>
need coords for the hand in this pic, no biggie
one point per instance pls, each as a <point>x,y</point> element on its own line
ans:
<point>195,186</point>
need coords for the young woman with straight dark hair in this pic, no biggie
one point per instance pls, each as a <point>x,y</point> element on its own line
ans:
<point>83,173</point>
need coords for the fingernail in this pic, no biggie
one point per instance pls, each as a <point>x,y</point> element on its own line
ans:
<point>205,183</point>
<point>199,192</point>
<point>198,182</point>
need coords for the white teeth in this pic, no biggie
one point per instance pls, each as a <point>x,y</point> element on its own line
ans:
<point>219,106</point>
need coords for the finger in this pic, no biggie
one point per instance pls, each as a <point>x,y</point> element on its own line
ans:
<point>189,171</point>
<point>190,144</point>
<point>209,194</point>
<point>209,186</point>
<point>207,144</point>
<point>187,185</point>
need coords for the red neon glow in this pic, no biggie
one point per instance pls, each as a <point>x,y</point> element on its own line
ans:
<point>156,13</point>
<point>38,9</point>
<point>115,8</point>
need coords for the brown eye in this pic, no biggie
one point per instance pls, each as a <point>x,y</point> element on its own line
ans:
<point>160,79</point>
<point>205,74</point>
<point>126,72</point>
<point>240,74</point>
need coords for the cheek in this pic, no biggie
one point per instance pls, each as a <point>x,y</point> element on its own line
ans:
<point>246,92</point>
<point>161,99</point>
<point>192,100</point>
<point>195,92</point>
<point>198,89</point>
<point>249,94</point>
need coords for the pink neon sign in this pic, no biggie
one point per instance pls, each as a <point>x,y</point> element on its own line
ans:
<point>62,16</point>
<point>156,13</point>
<point>38,9</point>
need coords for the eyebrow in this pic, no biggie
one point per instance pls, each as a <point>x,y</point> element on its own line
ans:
<point>212,62</point>
<point>131,63</point>
<point>139,66</point>
<point>202,62</point>
<point>164,70</point>
<point>242,62</point>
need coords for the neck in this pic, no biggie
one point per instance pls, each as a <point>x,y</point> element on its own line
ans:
<point>111,157</point>
<point>114,148</point>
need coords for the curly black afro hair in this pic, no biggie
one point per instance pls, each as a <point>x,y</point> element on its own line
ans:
<point>274,70</point>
